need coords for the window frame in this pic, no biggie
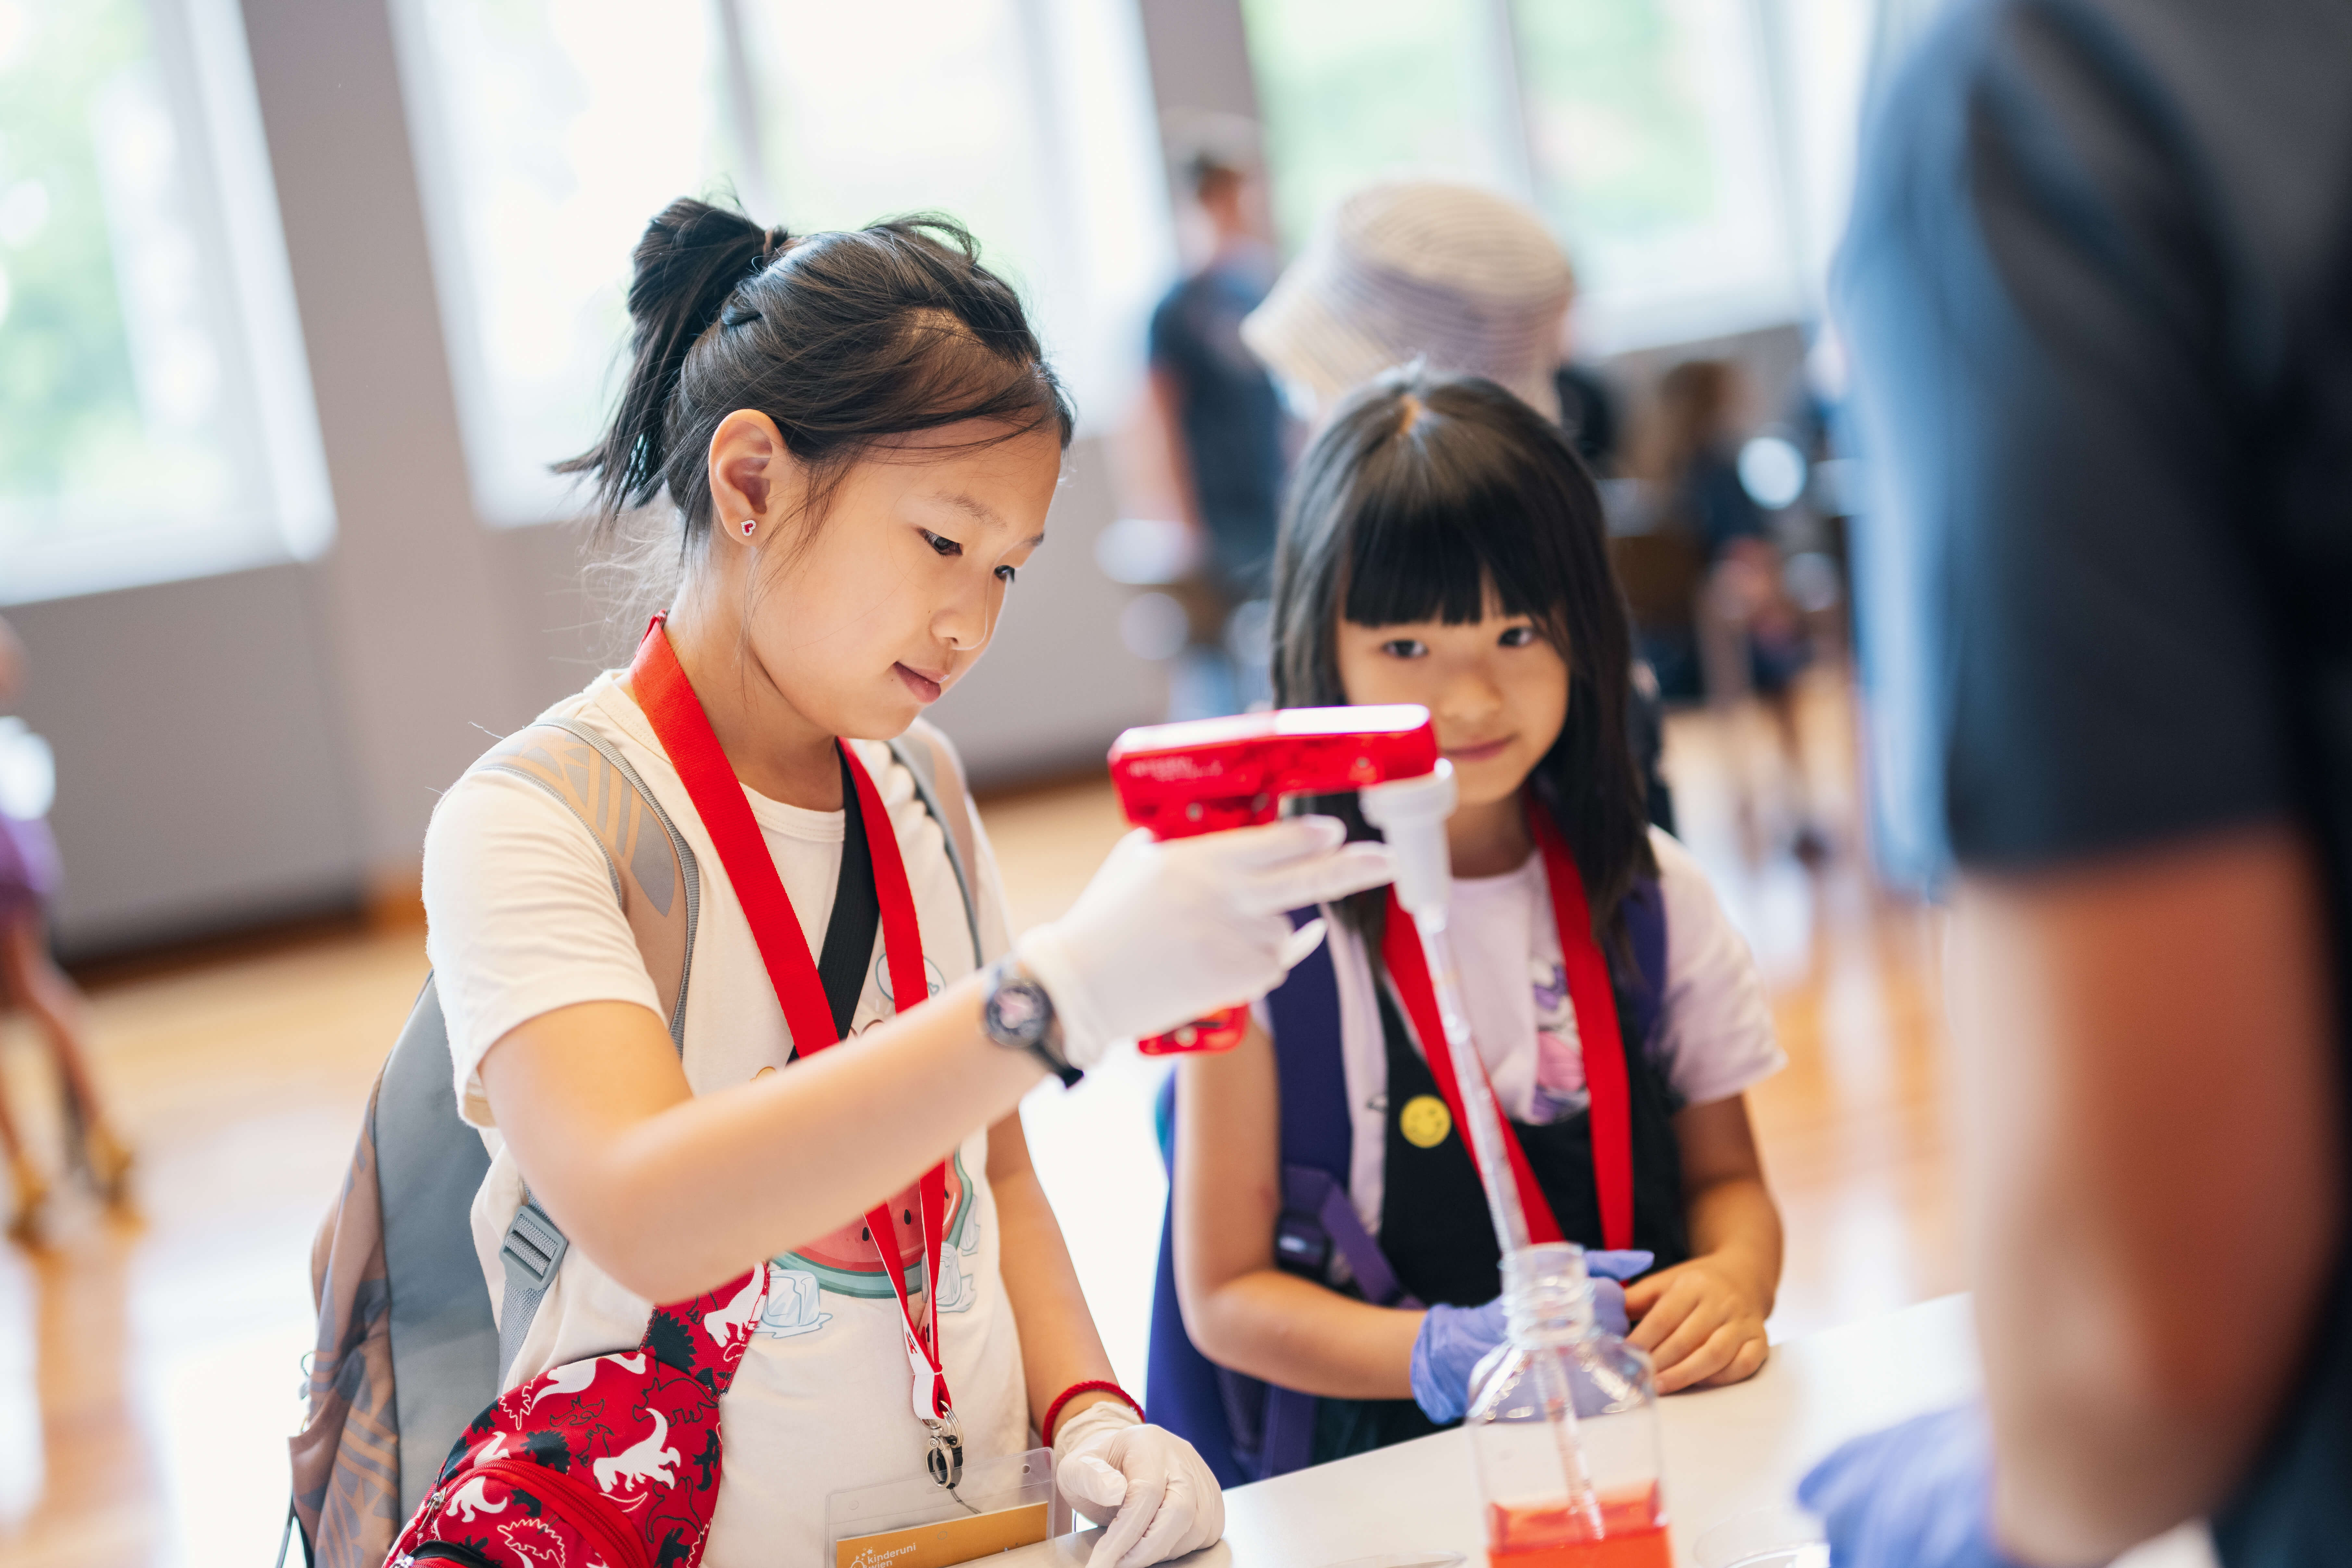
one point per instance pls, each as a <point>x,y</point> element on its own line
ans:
<point>1804,169</point>
<point>1068,285</point>
<point>282,508</point>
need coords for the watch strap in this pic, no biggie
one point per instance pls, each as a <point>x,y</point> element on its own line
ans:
<point>1005,969</point>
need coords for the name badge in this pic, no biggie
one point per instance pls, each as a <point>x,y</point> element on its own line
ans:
<point>998,1505</point>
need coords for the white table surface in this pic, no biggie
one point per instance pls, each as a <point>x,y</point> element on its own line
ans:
<point>1727,1450</point>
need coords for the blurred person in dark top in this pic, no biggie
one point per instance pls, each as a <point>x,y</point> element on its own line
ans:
<point>1462,279</point>
<point>2098,292</point>
<point>1588,412</point>
<point>1223,418</point>
<point>1815,425</point>
<point>1711,614</point>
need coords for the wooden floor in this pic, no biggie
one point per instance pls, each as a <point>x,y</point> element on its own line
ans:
<point>149,1371</point>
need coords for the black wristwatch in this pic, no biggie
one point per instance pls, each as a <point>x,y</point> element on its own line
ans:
<point>1019,1015</point>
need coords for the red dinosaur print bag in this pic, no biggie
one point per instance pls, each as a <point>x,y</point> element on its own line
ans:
<point>611,1462</point>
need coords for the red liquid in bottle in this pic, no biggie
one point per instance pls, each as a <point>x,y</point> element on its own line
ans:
<point>1557,1536</point>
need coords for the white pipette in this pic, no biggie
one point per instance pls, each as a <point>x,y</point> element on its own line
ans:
<point>1411,815</point>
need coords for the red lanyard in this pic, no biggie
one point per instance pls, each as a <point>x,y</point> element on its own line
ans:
<point>1595,1002</point>
<point>662,689</point>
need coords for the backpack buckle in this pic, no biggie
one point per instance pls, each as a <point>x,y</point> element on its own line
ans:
<point>1301,1245</point>
<point>533,1245</point>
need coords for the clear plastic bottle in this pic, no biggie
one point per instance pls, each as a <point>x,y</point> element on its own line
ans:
<point>1564,1429</point>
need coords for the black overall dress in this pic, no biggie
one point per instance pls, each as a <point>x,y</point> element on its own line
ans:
<point>1434,1228</point>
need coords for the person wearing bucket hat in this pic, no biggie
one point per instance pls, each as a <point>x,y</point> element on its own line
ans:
<point>1461,278</point>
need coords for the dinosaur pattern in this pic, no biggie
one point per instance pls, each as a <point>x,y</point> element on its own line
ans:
<point>542,1482</point>
<point>640,1464</point>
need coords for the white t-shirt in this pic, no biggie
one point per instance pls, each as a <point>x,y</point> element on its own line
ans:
<point>1715,1036</point>
<point>523,921</point>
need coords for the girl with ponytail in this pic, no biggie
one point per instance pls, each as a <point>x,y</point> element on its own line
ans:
<point>855,439</point>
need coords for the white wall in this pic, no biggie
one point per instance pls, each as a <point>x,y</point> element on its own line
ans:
<point>204,773</point>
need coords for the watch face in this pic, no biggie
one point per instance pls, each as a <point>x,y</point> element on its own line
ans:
<point>1019,1009</point>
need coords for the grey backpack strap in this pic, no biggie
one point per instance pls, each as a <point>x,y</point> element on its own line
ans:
<point>532,1251</point>
<point>429,1164</point>
<point>914,752</point>
<point>661,895</point>
<point>654,876</point>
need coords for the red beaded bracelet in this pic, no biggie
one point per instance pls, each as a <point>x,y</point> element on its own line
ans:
<point>1054,1411</point>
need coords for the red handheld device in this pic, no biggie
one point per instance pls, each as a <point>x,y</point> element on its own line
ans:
<point>1207,774</point>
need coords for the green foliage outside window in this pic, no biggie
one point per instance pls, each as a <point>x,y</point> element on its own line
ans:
<point>1618,134</point>
<point>1616,129</point>
<point>1351,90</point>
<point>68,394</point>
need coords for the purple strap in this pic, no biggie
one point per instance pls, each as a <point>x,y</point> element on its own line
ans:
<point>1287,1440</point>
<point>1306,1190</point>
<point>1287,1443</point>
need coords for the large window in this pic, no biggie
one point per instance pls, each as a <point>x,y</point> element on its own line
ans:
<point>549,131</point>
<point>1653,155</point>
<point>1353,89</point>
<point>154,412</point>
<point>1685,150</point>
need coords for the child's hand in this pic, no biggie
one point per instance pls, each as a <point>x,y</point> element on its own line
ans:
<point>1167,931</point>
<point>1702,1322</point>
<point>1150,1486</point>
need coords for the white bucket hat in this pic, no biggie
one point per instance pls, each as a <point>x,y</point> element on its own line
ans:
<point>1461,278</point>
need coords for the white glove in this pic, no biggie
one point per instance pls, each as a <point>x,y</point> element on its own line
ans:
<point>1145,1482</point>
<point>1168,933</point>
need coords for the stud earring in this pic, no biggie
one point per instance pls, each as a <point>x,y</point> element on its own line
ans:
<point>749,524</point>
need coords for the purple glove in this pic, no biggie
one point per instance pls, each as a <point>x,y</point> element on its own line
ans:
<point>1915,1496</point>
<point>1453,1340</point>
<point>1609,1270</point>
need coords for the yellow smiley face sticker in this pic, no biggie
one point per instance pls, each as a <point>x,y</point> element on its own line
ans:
<point>1424,1122</point>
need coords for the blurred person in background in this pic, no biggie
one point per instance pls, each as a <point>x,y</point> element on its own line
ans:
<point>30,979</point>
<point>1464,280</point>
<point>1588,408</point>
<point>1712,616</point>
<point>1222,421</point>
<point>1816,425</point>
<point>2098,292</point>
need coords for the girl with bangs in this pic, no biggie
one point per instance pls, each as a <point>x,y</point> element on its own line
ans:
<point>1328,1247</point>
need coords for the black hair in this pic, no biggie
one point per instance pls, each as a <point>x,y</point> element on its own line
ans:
<point>1422,497</point>
<point>843,339</point>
